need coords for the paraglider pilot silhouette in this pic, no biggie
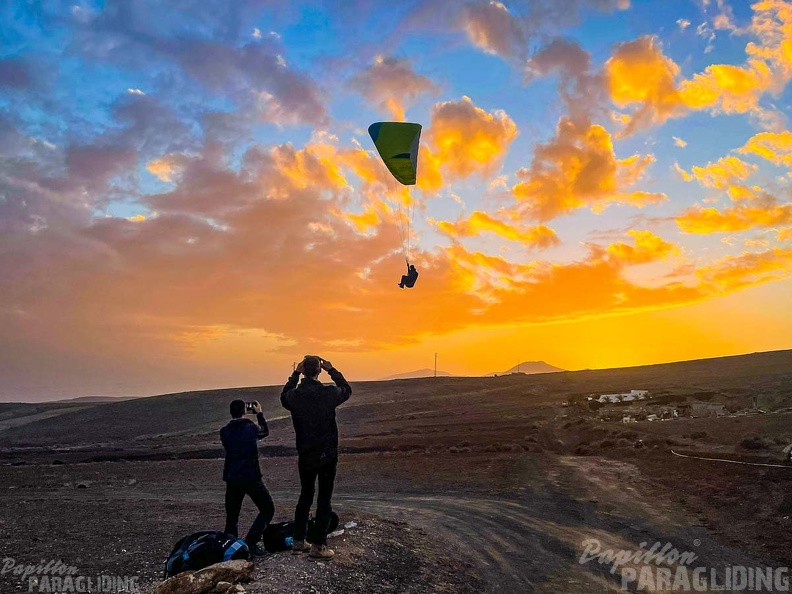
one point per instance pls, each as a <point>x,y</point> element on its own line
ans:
<point>397,144</point>
<point>408,280</point>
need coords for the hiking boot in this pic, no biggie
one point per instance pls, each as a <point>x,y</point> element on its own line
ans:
<point>299,546</point>
<point>321,553</point>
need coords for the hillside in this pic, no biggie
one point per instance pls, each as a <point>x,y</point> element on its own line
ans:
<point>16,414</point>
<point>494,465</point>
<point>191,419</point>
<point>418,373</point>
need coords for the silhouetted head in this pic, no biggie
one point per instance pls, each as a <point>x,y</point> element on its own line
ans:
<point>312,366</point>
<point>412,267</point>
<point>237,408</point>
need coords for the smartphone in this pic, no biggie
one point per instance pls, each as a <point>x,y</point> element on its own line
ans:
<point>250,407</point>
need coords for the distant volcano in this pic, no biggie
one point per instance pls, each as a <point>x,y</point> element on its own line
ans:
<point>416,374</point>
<point>529,367</point>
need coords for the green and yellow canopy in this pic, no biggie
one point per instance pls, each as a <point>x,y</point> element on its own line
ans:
<point>397,144</point>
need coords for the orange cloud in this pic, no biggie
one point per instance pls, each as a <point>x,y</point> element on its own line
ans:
<point>392,84</point>
<point>364,221</point>
<point>740,193</point>
<point>648,248</point>
<point>166,168</point>
<point>592,287</point>
<point>638,72</point>
<point>430,178</point>
<point>739,218</point>
<point>578,168</point>
<point>737,89</point>
<point>311,166</point>
<point>479,222</point>
<point>774,147</point>
<point>465,139</point>
<point>728,88</point>
<point>784,234</point>
<point>721,174</point>
<point>738,272</point>
<point>243,276</point>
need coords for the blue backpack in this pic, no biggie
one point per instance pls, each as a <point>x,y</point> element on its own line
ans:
<point>203,549</point>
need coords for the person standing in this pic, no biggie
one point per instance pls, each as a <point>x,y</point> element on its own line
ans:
<point>312,406</point>
<point>242,473</point>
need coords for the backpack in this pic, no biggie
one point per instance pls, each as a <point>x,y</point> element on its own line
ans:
<point>279,536</point>
<point>203,549</point>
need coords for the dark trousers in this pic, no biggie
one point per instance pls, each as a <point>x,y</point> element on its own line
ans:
<point>312,468</point>
<point>235,493</point>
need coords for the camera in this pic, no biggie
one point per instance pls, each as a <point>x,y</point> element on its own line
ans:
<point>250,407</point>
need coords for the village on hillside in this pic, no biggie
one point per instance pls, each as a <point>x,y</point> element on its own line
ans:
<point>640,405</point>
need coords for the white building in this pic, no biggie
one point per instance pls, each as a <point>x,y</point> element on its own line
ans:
<point>624,396</point>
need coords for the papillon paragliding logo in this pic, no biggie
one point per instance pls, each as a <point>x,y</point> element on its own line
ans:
<point>397,144</point>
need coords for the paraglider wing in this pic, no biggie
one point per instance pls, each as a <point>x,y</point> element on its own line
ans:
<point>397,144</point>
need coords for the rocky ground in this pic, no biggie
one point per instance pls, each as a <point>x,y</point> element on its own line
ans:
<point>377,556</point>
<point>502,522</point>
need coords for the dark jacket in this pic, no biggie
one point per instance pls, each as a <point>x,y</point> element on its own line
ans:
<point>239,439</point>
<point>411,276</point>
<point>312,405</point>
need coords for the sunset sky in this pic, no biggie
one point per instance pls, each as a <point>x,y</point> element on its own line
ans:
<point>189,197</point>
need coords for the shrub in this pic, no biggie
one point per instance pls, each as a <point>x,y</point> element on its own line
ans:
<point>753,443</point>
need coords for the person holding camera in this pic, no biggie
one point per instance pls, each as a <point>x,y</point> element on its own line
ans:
<point>312,406</point>
<point>242,473</point>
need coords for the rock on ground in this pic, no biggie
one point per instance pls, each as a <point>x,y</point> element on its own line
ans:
<point>208,579</point>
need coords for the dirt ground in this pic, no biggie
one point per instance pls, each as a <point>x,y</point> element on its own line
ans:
<point>498,523</point>
<point>459,484</point>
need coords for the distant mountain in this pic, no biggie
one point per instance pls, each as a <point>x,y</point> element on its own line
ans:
<point>529,367</point>
<point>416,374</point>
<point>95,399</point>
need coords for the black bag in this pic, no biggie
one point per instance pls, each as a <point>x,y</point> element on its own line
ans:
<point>331,527</point>
<point>277,537</point>
<point>203,549</point>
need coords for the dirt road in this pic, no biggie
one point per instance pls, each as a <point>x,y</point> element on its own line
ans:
<point>534,543</point>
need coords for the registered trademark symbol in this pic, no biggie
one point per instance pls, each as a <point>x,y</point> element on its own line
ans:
<point>697,542</point>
